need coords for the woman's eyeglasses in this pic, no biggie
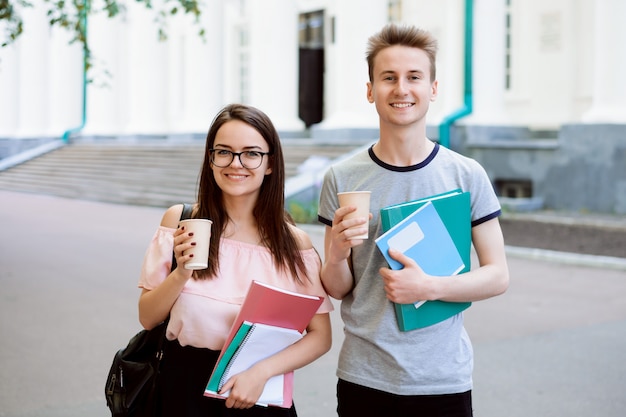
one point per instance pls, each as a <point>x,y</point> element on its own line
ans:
<point>249,159</point>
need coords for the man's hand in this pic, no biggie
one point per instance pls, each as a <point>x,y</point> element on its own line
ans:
<point>409,284</point>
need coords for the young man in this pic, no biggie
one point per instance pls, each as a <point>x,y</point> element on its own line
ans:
<point>383,371</point>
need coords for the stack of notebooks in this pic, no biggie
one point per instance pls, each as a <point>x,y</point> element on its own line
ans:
<point>270,320</point>
<point>436,233</point>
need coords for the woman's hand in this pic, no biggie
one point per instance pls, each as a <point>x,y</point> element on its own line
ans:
<point>245,388</point>
<point>183,241</point>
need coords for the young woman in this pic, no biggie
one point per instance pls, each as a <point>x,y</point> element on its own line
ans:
<point>242,191</point>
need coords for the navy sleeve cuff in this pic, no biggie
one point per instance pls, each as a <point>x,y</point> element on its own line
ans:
<point>324,221</point>
<point>486,218</point>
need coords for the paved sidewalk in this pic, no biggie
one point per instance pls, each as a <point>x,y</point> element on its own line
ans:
<point>553,345</point>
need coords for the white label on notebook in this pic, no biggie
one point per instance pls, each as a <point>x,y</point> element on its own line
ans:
<point>408,237</point>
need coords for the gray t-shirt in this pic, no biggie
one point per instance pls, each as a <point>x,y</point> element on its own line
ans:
<point>433,360</point>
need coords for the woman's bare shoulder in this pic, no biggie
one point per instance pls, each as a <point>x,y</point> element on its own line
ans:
<point>302,237</point>
<point>171,217</point>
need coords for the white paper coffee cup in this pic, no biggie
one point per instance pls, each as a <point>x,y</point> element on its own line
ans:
<point>201,229</point>
<point>360,199</point>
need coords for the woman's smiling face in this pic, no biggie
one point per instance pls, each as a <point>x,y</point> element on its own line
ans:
<point>235,180</point>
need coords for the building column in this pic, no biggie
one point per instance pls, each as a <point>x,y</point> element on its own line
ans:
<point>105,106</point>
<point>195,70</point>
<point>9,99</point>
<point>32,116</point>
<point>146,65</point>
<point>345,96</point>
<point>273,65</point>
<point>609,84</point>
<point>65,101</point>
<point>488,75</point>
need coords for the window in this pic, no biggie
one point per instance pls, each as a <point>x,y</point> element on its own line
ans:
<point>394,12</point>
<point>311,30</point>
<point>244,64</point>
<point>508,45</point>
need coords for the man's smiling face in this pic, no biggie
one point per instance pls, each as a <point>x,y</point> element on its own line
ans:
<point>401,87</point>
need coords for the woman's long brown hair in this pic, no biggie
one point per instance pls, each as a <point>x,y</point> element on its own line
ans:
<point>272,219</point>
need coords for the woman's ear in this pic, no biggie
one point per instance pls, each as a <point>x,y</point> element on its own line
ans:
<point>270,162</point>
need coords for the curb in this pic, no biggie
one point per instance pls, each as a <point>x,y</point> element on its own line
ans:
<point>567,257</point>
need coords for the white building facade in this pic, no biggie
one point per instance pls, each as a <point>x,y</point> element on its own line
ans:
<point>536,66</point>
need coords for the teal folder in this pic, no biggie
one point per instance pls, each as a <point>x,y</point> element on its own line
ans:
<point>454,209</point>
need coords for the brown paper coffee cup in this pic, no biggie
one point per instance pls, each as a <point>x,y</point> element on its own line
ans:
<point>360,199</point>
<point>201,229</point>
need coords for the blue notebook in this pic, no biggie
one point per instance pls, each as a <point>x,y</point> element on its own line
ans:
<point>423,237</point>
<point>453,208</point>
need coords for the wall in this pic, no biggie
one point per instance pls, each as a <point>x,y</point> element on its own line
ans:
<point>581,168</point>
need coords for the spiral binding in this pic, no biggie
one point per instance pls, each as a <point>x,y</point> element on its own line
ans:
<point>226,373</point>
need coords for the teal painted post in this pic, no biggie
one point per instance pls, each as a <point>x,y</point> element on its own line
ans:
<point>446,123</point>
<point>66,135</point>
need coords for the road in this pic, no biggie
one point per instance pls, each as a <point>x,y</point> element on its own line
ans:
<point>553,345</point>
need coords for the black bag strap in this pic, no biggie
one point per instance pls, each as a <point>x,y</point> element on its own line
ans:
<point>186,214</point>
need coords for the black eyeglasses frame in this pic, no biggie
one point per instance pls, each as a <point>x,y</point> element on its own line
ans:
<point>238,155</point>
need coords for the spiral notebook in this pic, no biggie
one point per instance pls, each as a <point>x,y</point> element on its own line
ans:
<point>274,306</point>
<point>252,343</point>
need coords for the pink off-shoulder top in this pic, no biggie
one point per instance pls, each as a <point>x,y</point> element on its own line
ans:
<point>205,310</point>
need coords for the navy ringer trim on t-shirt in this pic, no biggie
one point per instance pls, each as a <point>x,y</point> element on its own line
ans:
<point>324,221</point>
<point>403,169</point>
<point>487,218</point>
<point>422,164</point>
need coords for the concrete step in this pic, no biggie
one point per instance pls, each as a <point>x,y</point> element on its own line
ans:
<point>147,172</point>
